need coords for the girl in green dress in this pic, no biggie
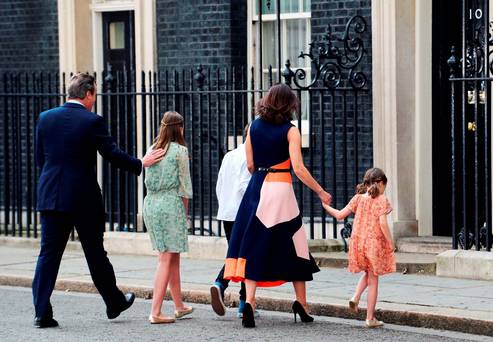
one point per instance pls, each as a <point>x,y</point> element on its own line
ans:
<point>169,188</point>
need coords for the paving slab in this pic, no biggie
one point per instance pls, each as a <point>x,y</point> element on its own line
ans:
<point>408,299</point>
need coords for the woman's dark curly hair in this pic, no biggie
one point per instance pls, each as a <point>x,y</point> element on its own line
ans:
<point>279,104</point>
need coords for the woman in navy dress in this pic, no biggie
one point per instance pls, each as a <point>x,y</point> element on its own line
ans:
<point>268,245</point>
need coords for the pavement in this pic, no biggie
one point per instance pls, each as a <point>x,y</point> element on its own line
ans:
<point>418,300</point>
<point>420,263</point>
<point>81,318</point>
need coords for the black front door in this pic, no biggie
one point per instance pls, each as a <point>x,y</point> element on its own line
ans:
<point>118,40</point>
<point>461,121</point>
<point>446,30</point>
<point>119,110</point>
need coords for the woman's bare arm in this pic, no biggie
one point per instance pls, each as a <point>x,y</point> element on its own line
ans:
<point>249,153</point>
<point>294,138</point>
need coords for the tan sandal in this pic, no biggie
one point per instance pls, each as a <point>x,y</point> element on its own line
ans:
<point>184,312</point>
<point>373,323</point>
<point>160,319</point>
<point>353,305</point>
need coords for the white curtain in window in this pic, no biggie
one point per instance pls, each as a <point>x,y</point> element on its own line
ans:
<point>296,41</point>
<point>269,44</point>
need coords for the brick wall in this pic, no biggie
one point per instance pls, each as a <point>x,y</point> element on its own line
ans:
<point>211,33</point>
<point>28,35</point>
<point>28,42</point>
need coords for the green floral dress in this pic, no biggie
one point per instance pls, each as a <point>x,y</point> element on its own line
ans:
<point>164,214</point>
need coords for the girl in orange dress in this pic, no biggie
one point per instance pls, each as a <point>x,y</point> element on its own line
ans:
<point>371,249</point>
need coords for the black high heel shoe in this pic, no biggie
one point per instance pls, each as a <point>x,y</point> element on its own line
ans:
<point>300,310</point>
<point>248,320</point>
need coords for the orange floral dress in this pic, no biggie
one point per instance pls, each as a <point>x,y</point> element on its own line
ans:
<point>369,250</point>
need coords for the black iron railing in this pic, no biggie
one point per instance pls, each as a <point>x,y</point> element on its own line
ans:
<point>335,122</point>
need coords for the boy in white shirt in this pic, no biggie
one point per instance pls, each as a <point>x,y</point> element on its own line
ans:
<point>232,181</point>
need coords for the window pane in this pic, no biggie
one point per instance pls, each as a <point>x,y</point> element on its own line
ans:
<point>287,6</point>
<point>265,9</point>
<point>117,35</point>
<point>307,5</point>
<point>296,35</point>
<point>290,6</point>
<point>305,106</point>
<point>269,44</point>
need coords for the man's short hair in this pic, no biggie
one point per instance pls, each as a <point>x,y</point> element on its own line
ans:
<point>80,84</point>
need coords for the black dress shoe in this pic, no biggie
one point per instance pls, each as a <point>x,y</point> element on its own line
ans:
<point>45,322</point>
<point>114,313</point>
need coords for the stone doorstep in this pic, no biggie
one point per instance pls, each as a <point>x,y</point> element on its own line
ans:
<point>203,247</point>
<point>200,247</point>
<point>439,319</point>
<point>465,264</point>
<point>424,244</point>
<point>33,243</point>
<point>407,263</point>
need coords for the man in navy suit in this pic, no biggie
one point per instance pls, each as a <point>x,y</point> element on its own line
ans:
<point>67,141</point>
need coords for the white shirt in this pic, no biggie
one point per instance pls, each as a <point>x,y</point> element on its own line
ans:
<point>75,101</point>
<point>232,181</point>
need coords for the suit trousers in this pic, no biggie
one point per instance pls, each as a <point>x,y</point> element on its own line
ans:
<point>55,231</point>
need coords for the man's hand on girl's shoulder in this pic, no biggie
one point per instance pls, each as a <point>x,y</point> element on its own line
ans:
<point>152,157</point>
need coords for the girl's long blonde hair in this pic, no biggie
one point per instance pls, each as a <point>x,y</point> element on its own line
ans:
<point>170,130</point>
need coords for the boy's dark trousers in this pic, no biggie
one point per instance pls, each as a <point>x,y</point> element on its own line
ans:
<point>228,227</point>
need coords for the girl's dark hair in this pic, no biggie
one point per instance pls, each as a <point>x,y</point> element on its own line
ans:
<point>279,104</point>
<point>372,177</point>
<point>170,130</point>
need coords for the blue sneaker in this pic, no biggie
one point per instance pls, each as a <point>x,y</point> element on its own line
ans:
<point>217,299</point>
<point>241,306</point>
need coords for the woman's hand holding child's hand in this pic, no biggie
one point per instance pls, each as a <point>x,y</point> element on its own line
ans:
<point>325,197</point>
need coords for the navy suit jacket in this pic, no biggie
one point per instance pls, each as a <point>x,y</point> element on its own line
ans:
<point>67,141</point>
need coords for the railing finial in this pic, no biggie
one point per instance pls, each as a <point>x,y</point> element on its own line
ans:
<point>453,62</point>
<point>199,77</point>
<point>288,73</point>
<point>108,80</point>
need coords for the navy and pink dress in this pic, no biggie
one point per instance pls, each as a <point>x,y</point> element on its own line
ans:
<point>268,243</point>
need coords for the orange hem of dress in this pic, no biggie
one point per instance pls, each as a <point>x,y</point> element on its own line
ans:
<point>234,270</point>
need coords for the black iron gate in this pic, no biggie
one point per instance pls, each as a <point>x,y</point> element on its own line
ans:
<point>470,130</point>
<point>335,121</point>
<point>335,124</point>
